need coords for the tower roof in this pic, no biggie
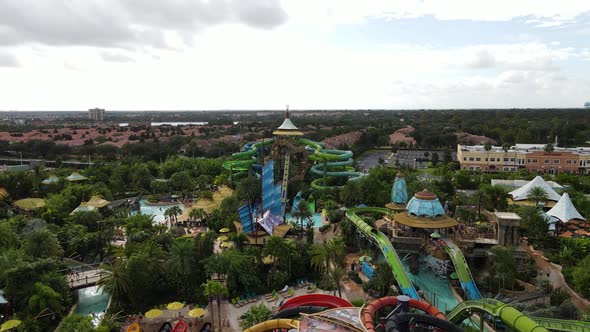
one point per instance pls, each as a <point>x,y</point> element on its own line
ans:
<point>287,128</point>
<point>399,192</point>
<point>565,210</point>
<point>425,204</point>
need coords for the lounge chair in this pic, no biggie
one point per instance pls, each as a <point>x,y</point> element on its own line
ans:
<point>240,301</point>
<point>235,303</point>
<point>274,298</point>
<point>290,293</point>
<point>271,295</point>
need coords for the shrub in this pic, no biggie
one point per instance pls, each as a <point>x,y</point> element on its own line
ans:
<point>324,228</point>
<point>153,199</point>
<point>358,302</point>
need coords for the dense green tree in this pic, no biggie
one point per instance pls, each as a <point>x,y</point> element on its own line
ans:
<point>41,243</point>
<point>581,276</point>
<point>43,298</point>
<point>255,315</point>
<point>503,266</point>
<point>76,322</point>
<point>383,278</point>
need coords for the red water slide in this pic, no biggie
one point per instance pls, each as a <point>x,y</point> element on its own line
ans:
<point>321,300</point>
<point>370,310</point>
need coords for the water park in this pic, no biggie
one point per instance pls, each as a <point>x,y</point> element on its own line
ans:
<point>426,250</point>
<point>287,235</point>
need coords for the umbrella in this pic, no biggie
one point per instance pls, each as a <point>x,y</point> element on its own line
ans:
<point>222,238</point>
<point>8,325</point>
<point>197,312</point>
<point>224,230</point>
<point>175,306</point>
<point>435,235</point>
<point>153,313</point>
<point>268,259</point>
<point>227,244</point>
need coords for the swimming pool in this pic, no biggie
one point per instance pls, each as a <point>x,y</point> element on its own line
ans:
<point>92,301</point>
<point>155,210</point>
<point>316,218</point>
<point>436,288</point>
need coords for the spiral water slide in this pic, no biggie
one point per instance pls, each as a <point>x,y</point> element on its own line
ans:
<point>399,272</point>
<point>338,163</point>
<point>241,162</point>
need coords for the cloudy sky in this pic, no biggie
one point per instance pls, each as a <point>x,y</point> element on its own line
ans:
<point>262,54</point>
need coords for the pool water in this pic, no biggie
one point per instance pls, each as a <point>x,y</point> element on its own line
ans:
<point>92,301</point>
<point>436,288</point>
<point>157,211</point>
<point>316,218</point>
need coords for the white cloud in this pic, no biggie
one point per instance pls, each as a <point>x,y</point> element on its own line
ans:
<point>351,11</point>
<point>8,60</point>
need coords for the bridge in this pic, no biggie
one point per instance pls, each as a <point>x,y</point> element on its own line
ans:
<point>84,278</point>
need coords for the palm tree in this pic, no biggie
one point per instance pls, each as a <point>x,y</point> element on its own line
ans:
<point>549,147</point>
<point>487,146</point>
<point>197,214</point>
<point>181,262</point>
<point>175,211</point>
<point>538,195</point>
<point>302,213</point>
<point>255,315</point>
<point>215,290</point>
<point>335,278</point>
<point>115,280</point>
<point>326,255</point>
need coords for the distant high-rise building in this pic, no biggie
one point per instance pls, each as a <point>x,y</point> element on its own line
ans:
<point>587,104</point>
<point>96,114</point>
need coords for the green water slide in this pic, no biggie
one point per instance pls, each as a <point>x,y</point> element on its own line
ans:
<point>509,315</point>
<point>241,162</point>
<point>462,269</point>
<point>385,246</point>
<point>562,325</point>
<point>332,163</point>
<point>311,204</point>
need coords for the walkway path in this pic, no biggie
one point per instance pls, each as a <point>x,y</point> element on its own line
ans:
<point>556,277</point>
<point>85,278</point>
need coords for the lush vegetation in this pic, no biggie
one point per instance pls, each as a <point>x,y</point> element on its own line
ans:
<point>158,264</point>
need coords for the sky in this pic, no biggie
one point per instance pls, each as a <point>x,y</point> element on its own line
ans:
<point>310,54</point>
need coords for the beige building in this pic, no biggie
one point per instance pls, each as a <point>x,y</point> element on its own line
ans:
<point>96,114</point>
<point>531,157</point>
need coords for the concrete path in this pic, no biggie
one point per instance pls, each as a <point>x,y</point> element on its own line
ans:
<point>556,277</point>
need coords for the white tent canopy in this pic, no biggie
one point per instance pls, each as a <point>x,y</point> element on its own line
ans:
<point>523,192</point>
<point>564,210</point>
